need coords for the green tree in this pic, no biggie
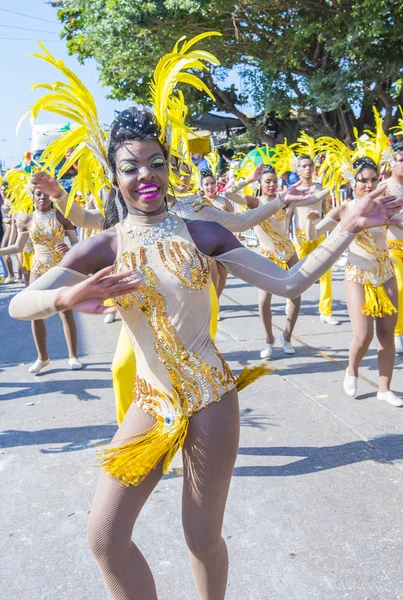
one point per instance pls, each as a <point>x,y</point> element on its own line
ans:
<point>325,62</point>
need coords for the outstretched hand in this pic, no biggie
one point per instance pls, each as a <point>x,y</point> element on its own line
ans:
<point>257,174</point>
<point>89,295</point>
<point>294,195</point>
<point>372,210</point>
<point>46,184</point>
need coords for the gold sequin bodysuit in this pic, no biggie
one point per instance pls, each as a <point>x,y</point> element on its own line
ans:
<point>273,240</point>
<point>45,232</point>
<point>179,370</point>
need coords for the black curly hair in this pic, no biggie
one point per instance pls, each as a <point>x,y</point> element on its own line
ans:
<point>133,124</point>
<point>364,163</point>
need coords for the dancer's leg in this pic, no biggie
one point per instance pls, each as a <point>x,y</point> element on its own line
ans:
<point>222,279</point>
<point>385,332</point>
<point>39,331</point>
<point>7,259</point>
<point>209,455</point>
<point>70,332</point>
<point>113,515</point>
<point>39,334</point>
<point>294,307</point>
<point>363,326</point>
<point>264,302</point>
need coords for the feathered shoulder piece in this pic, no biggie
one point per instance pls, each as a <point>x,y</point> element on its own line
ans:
<point>285,158</point>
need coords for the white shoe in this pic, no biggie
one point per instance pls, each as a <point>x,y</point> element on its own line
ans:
<point>350,384</point>
<point>75,364</point>
<point>286,309</point>
<point>267,350</point>
<point>330,320</point>
<point>219,317</point>
<point>399,344</point>
<point>10,280</point>
<point>390,398</point>
<point>288,348</point>
<point>38,365</point>
<point>110,317</point>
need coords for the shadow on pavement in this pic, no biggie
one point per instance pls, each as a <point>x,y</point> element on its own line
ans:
<point>75,387</point>
<point>314,459</point>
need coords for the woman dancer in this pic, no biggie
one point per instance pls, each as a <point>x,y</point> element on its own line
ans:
<point>6,239</point>
<point>185,394</point>
<point>46,228</point>
<point>370,283</point>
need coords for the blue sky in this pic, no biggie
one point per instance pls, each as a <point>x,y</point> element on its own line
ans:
<point>19,71</point>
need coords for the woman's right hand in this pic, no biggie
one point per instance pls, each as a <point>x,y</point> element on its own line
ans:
<point>46,184</point>
<point>89,295</point>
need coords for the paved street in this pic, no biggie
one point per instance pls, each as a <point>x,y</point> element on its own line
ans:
<point>315,507</point>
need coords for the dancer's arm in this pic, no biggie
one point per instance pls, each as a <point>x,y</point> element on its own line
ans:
<point>316,227</point>
<point>87,219</point>
<point>18,246</point>
<point>22,238</point>
<point>373,211</point>
<point>68,285</point>
<point>243,221</point>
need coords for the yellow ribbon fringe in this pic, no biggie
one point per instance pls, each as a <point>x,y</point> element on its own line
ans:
<point>27,260</point>
<point>377,302</point>
<point>132,462</point>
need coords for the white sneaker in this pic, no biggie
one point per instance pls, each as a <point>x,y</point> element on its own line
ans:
<point>330,320</point>
<point>38,365</point>
<point>399,344</point>
<point>10,280</point>
<point>75,364</point>
<point>110,317</point>
<point>350,384</point>
<point>288,348</point>
<point>267,350</point>
<point>390,398</point>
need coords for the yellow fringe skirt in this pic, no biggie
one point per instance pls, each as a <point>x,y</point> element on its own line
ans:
<point>133,460</point>
<point>27,260</point>
<point>377,302</point>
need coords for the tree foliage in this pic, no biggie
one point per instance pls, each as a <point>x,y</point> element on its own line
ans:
<point>326,62</point>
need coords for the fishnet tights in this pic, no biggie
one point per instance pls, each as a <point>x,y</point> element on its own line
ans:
<point>209,455</point>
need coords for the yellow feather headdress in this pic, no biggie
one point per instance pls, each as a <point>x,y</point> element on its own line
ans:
<point>305,145</point>
<point>87,142</point>
<point>20,192</point>
<point>285,158</point>
<point>337,167</point>
<point>376,144</point>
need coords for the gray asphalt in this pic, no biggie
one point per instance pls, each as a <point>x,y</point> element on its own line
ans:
<point>315,507</point>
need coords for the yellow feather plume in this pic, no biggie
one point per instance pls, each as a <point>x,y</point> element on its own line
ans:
<point>305,145</point>
<point>337,167</point>
<point>284,159</point>
<point>19,191</point>
<point>170,71</point>
<point>377,143</point>
<point>86,142</point>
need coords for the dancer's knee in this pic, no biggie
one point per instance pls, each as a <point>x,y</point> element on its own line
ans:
<point>103,544</point>
<point>202,541</point>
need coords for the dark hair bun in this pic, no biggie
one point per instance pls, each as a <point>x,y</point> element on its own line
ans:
<point>206,173</point>
<point>268,169</point>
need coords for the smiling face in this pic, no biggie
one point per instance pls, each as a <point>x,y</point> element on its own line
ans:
<point>142,176</point>
<point>209,187</point>
<point>268,183</point>
<point>366,181</point>
<point>42,201</point>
